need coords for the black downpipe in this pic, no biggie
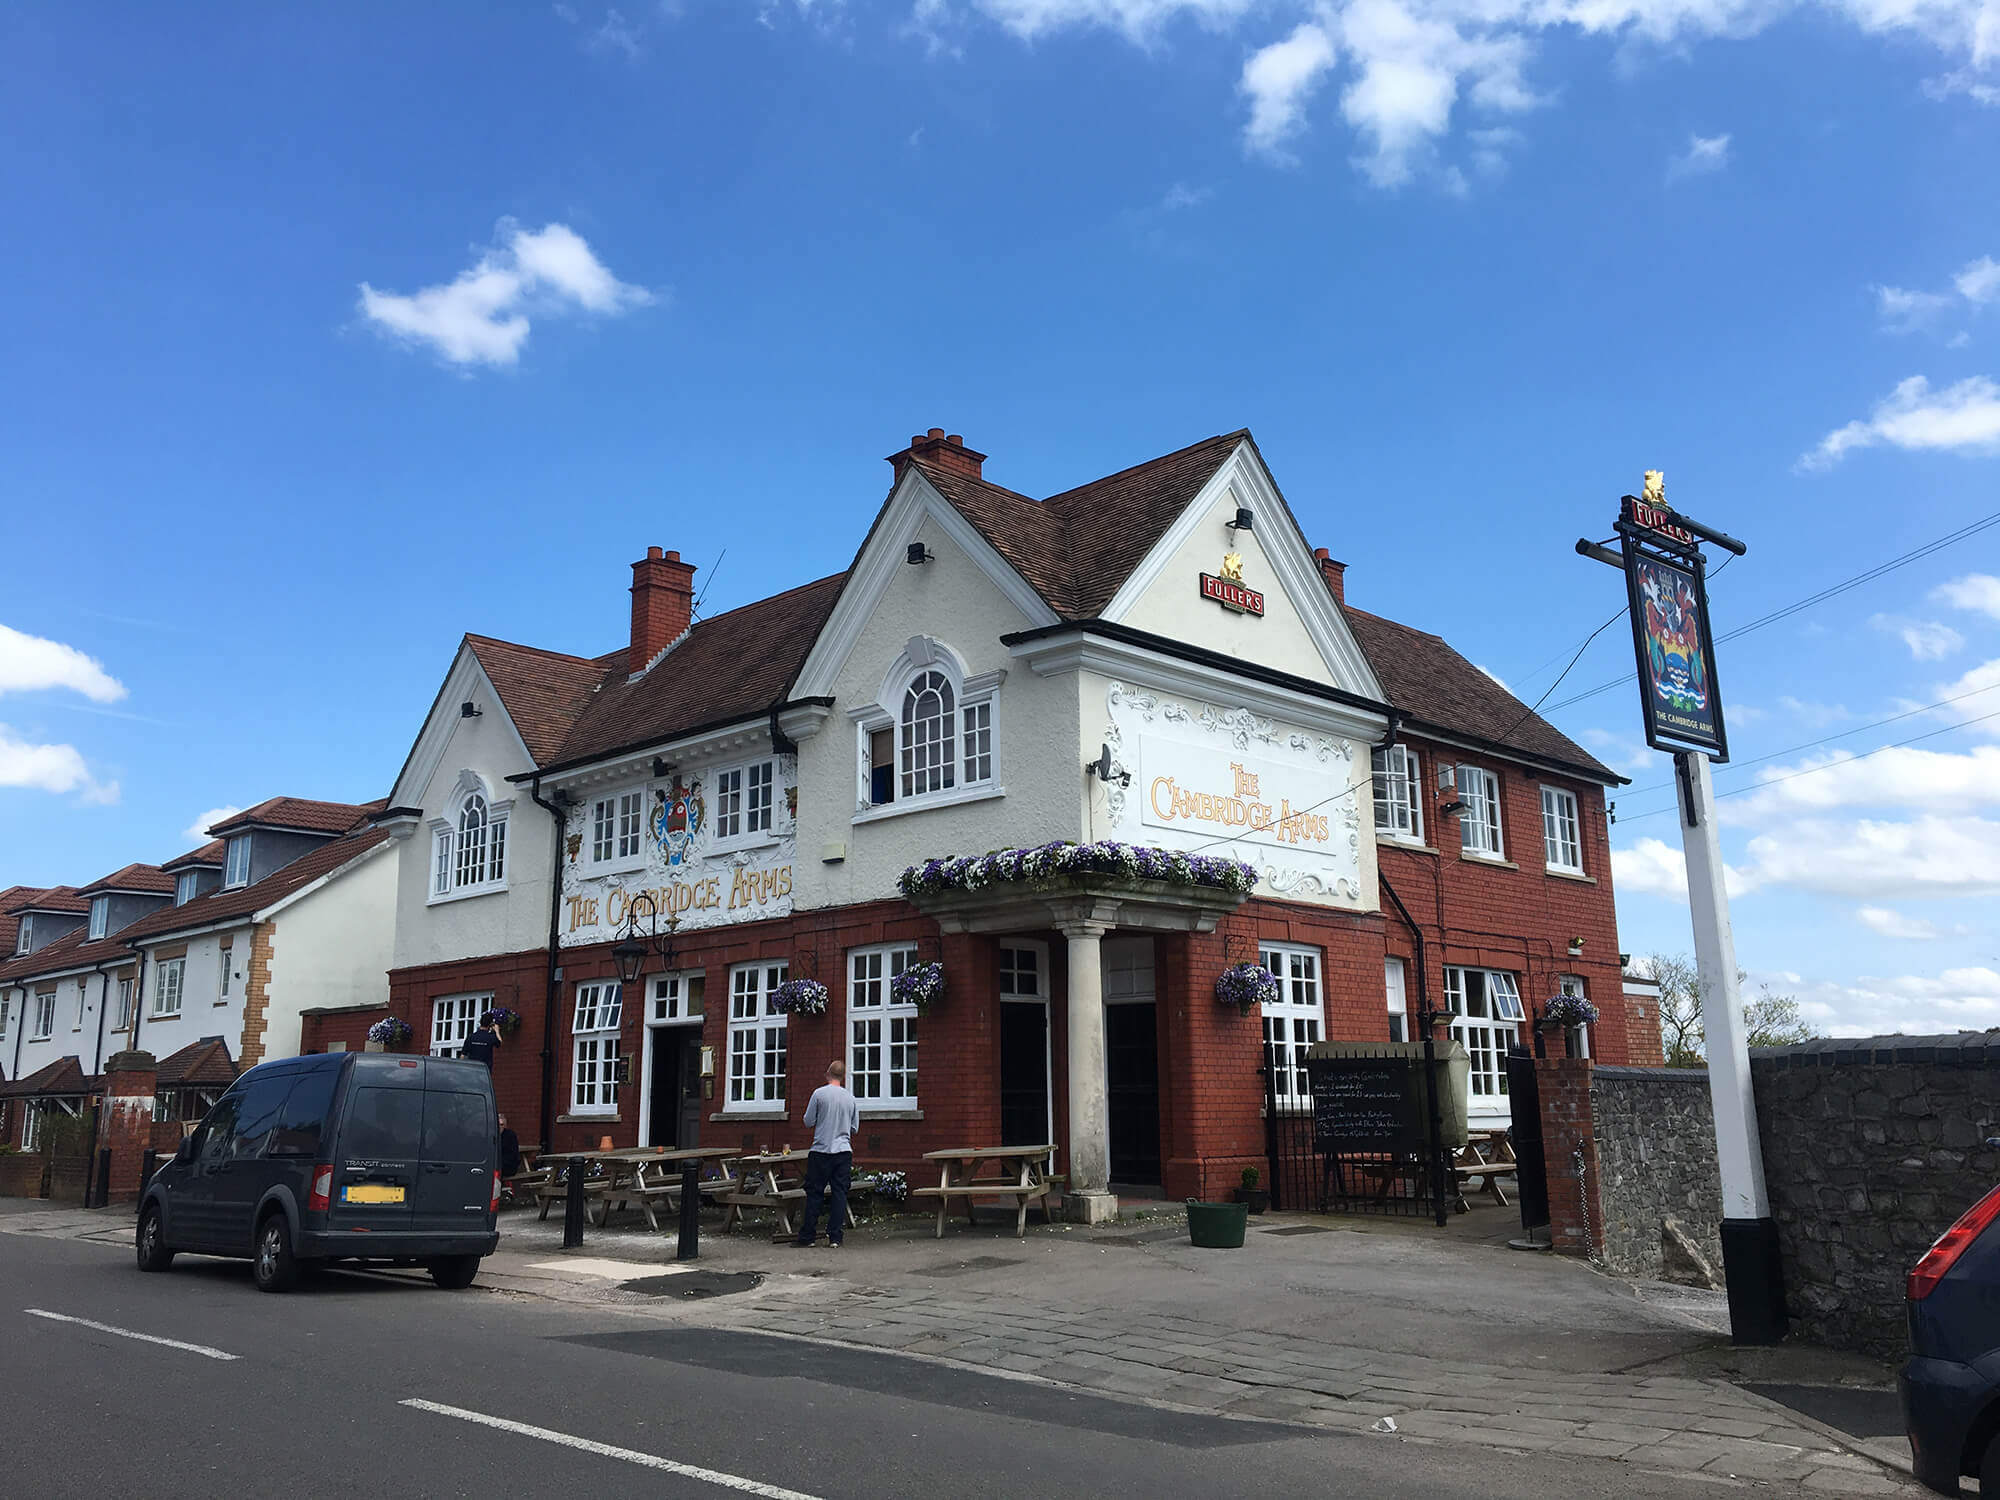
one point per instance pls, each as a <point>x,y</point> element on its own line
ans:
<point>1430,1048</point>
<point>22,1033</point>
<point>555,811</point>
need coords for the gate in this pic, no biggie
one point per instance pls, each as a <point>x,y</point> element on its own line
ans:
<point>1363,1136</point>
<point>1530,1160</point>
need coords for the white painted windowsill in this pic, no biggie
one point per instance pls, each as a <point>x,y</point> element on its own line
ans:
<point>467,894</point>
<point>957,797</point>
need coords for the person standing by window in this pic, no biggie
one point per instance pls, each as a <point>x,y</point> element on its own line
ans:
<point>479,1046</point>
<point>834,1117</point>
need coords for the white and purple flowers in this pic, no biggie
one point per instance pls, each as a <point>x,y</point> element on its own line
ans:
<point>805,997</point>
<point>973,872</point>
<point>921,985</point>
<point>390,1031</point>
<point>1569,1010</point>
<point>1245,985</point>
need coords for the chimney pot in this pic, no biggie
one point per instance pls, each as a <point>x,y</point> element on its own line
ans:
<point>1321,553</point>
<point>935,433</point>
<point>956,441</point>
<point>671,556</point>
<point>1335,574</point>
<point>652,552</point>
<point>944,452</point>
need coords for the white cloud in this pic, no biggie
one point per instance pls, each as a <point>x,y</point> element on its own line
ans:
<point>29,664</point>
<point>1905,777</point>
<point>1948,855</point>
<point>616,35</point>
<point>1496,678</point>
<point>1895,924</point>
<point>1279,80</point>
<point>1180,196</point>
<point>1979,282</point>
<point>198,829</point>
<point>50,768</point>
<point>1819,715</point>
<point>1979,592</point>
<point>1904,311</point>
<point>1962,999</point>
<point>1705,153</point>
<point>482,316</point>
<point>1659,869</point>
<point>1963,418</point>
<point>1928,640</point>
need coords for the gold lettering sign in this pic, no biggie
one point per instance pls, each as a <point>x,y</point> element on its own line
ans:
<point>1173,803</point>
<point>747,889</point>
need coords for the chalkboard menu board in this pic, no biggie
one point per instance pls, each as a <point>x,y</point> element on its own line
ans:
<point>1367,1104</point>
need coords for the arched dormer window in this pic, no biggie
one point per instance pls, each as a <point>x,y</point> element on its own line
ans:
<point>928,740</point>
<point>469,843</point>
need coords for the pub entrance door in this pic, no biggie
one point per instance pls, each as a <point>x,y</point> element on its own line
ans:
<point>1132,1064</point>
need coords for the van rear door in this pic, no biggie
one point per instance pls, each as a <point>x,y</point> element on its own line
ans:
<point>381,1134</point>
<point>461,1149</point>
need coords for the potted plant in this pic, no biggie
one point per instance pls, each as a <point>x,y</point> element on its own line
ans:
<point>389,1034</point>
<point>805,997</point>
<point>1246,984</point>
<point>1251,1196</point>
<point>1561,1015</point>
<point>508,1021</point>
<point>1217,1226</point>
<point>921,985</point>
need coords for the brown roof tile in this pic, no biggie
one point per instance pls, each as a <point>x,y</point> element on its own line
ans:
<point>730,667</point>
<point>148,879</point>
<point>214,852</point>
<point>204,1062</point>
<point>63,1076</point>
<point>222,905</point>
<point>10,924</point>
<point>542,691</point>
<point>58,898</point>
<point>1441,690</point>
<point>73,950</point>
<point>297,813</point>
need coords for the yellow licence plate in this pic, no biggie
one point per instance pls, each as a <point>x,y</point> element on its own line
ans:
<point>370,1192</point>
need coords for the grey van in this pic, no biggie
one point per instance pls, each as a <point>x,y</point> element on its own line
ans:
<point>337,1156</point>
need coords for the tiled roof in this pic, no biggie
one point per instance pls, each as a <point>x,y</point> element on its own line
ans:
<point>211,853</point>
<point>204,1062</point>
<point>73,950</point>
<point>542,691</point>
<point>222,905</point>
<point>147,879</point>
<point>59,898</point>
<point>63,1076</point>
<point>731,666</point>
<point>295,813</point>
<point>10,924</point>
<point>1440,689</point>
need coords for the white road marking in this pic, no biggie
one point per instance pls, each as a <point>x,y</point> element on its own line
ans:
<point>127,1333</point>
<point>610,1270</point>
<point>629,1455</point>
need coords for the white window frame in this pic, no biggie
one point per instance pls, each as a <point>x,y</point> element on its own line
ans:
<point>222,989</point>
<point>1396,989</point>
<point>1562,830</point>
<point>759,1039</point>
<point>594,1047</point>
<point>124,1011</point>
<point>24,935</point>
<point>100,917</point>
<point>1296,1019</point>
<point>453,878</point>
<point>454,1018</point>
<point>45,1016</point>
<point>169,980</point>
<point>1398,784</point>
<point>31,1123</point>
<point>236,871</point>
<point>968,748</point>
<point>615,829</point>
<point>746,812</point>
<point>6,1010</point>
<point>1579,1036</point>
<point>82,1000</point>
<point>1486,1017</point>
<point>676,999</point>
<point>881,1031</point>
<point>184,886</point>
<point>1480,832</point>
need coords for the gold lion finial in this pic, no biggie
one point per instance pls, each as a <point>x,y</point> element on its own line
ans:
<point>1232,566</point>
<point>1656,487</point>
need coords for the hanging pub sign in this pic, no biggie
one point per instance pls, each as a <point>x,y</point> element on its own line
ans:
<point>1666,588</point>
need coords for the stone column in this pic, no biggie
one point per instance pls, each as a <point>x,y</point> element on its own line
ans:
<point>1089,1198</point>
<point>130,1081</point>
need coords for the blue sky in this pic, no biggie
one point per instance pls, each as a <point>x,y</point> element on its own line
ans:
<point>333,335</point>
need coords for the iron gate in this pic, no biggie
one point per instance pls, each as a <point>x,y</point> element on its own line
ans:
<point>1530,1162</point>
<point>1408,1178</point>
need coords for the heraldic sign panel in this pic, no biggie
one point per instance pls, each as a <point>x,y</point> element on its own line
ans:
<point>1229,781</point>
<point>711,847</point>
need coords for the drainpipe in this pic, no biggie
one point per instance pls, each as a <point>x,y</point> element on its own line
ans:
<point>103,1004</point>
<point>22,1032</point>
<point>556,812</point>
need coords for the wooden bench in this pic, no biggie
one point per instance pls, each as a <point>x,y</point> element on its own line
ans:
<point>1022,1193</point>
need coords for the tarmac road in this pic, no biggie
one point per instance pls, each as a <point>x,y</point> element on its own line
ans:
<point>377,1384</point>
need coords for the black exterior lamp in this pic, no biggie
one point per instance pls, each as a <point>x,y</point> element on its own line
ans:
<point>629,953</point>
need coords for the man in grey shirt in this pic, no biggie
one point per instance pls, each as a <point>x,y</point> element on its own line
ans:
<point>834,1117</point>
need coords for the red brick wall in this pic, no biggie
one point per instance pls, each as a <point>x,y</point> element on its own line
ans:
<point>1520,919</point>
<point>1576,1221</point>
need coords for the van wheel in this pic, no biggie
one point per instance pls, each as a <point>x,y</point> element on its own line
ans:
<point>1989,1469</point>
<point>275,1268</point>
<point>153,1252</point>
<point>454,1273</point>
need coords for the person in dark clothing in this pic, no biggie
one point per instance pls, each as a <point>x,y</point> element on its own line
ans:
<point>510,1150</point>
<point>479,1046</point>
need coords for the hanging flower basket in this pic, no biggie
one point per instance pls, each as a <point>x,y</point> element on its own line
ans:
<point>508,1021</point>
<point>804,997</point>
<point>1244,985</point>
<point>974,872</point>
<point>390,1031</point>
<point>1569,1010</point>
<point>921,985</point>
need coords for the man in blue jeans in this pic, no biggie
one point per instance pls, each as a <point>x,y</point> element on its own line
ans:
<point>834,1117</point>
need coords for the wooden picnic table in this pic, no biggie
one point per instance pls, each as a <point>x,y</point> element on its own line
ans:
<point>1018,1172</point>
<point>763,1183</point>
<point>649,1174</point>
<point>1487,1155</point>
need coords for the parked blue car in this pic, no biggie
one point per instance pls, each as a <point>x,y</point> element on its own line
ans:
<point>1951,1385</point>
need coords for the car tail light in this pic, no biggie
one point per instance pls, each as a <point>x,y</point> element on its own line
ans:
<point>493,1204</point>
<point>1949,1246</point>
<point>321,1195</point>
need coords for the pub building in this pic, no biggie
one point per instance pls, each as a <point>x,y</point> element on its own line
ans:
<point>1156,660</point>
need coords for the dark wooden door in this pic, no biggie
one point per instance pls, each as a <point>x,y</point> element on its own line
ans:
<point>690,1090</point>
<point>663,1089</point>
<point>1132,1066</point>
<point>1024,1073</point>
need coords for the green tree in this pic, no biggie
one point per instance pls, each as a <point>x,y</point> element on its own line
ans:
<point>1771,1019</point>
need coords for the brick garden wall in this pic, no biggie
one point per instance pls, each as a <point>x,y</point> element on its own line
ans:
<point>1655,1136</point>
<point>1871,1148</point>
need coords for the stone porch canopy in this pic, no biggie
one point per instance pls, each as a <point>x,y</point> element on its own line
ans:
<point>1082,891</point>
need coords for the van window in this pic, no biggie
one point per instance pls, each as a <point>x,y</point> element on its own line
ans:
<point>383,1124</point>
<point>298,1127</point>
<point>217,1130</point>
<point>457,1127</point>
<point>263,1098</point>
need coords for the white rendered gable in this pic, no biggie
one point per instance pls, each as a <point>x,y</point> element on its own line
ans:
<point>466,682</point>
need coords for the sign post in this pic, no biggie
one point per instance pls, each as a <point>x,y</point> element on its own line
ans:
<point>1681,707</point>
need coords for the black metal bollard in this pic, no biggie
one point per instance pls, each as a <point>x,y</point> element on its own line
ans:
<point>573,1202</point>
<point>690,1246</point>
<point>100,1193</point>
<point>148,1164</point>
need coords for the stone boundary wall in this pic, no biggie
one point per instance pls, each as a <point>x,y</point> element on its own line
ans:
<point>1659,1189</point>
<point>1872,1147</point>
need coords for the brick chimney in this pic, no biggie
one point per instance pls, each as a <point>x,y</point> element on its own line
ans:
<point>662,605</point>
<point>1335,574</point>
<point>934,447</point>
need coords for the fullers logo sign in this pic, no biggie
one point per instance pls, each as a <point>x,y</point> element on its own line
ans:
<point>1228,591</point>
<point>1231,804</point>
